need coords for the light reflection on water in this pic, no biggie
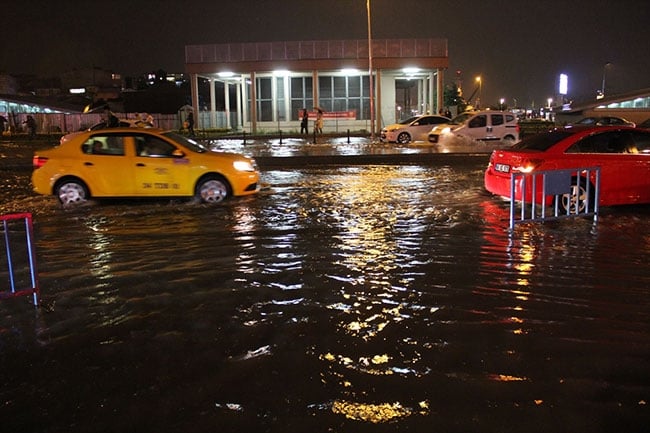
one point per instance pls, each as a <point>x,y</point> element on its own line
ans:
<point>342,299</point>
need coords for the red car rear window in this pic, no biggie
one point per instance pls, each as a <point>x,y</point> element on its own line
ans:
<point>543,141</point>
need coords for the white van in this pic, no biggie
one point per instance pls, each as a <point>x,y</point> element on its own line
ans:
<point>480,125</point>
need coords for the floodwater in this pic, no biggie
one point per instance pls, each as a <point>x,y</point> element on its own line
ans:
<point>340,299</point>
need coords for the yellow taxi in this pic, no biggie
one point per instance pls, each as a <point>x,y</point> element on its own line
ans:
<point>138,162</point>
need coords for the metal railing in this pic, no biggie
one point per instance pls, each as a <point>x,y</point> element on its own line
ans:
<point>554,194</point>
<point>27,269</point>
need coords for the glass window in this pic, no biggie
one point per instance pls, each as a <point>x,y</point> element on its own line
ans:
<point>340,87</point>
<point>479,121</point>
<point>608,142</point>
<point>354,87</point>
<point>154,147</point>
<point>541,142</point>
<point>104,145</point>
<point>497,119</point>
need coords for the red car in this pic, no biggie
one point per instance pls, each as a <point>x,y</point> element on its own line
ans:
<point>622,153</point>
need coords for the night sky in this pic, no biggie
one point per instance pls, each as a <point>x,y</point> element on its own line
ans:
<point>518,47</point>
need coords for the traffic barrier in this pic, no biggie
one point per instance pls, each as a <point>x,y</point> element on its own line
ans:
<point>21,262</point>
<point>578,188</point>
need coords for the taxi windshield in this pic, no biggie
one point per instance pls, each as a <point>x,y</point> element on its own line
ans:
<point>189,143</point>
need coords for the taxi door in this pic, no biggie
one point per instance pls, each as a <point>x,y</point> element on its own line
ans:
<point>159,168</point>
<point>104,166</point>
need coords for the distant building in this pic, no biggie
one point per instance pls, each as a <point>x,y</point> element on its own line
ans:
<point>265,85</point>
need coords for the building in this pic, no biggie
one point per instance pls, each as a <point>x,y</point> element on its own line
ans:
<point>271,82</point>
<point>633,106</point>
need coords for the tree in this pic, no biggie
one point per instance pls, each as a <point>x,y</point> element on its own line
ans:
<point>453,98</point>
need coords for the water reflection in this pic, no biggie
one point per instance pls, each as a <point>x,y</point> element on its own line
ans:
<point>340,299</point>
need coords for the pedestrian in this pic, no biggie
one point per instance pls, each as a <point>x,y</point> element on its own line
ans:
<point>190,123</point>
<point>110,119</point>
<point>318,123</point>
<point>304,122</point>
<point>31,126</point>
<point>3,122</point>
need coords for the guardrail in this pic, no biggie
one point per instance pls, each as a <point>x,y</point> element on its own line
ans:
<point>555,194</point>
<point>24,252</point>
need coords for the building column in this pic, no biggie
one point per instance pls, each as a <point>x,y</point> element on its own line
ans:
<point>226,97</point>
<point>253,105</point>
<point>440,87</point>
<point>287,102</point>
<point>194,88</point>
<point>240,107</point>
<point>431,96</point>
<point>378,116</point>
<point>314,88</point>
<point>213,104</point>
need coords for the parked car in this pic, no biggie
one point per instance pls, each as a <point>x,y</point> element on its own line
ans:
<point>622,153</point>
<point>135,162</point>
<point>644,124</point>
<point>604,121</point>
<point>411,129</point>
<point>485,125</point>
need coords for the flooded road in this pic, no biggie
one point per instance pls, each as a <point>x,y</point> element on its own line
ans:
<point>341,299</point>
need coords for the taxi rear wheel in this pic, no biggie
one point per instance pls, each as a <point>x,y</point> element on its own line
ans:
<point>212,190</point>
<point>71,191</point>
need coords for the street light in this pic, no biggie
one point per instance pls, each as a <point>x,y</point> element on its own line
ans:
<point>370,80</point>
<point>602,89</point>
<point>480,91</point>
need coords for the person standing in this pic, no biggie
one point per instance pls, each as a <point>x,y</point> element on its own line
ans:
<point>190,123</point>
<point>318,123</point>
<point>304,122</point>
<point>31,126</point>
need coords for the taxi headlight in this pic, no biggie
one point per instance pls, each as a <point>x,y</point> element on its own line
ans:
<point>446,130</point>
<point>241,165</point>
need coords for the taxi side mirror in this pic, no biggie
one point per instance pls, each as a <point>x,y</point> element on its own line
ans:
<point>177,153</point>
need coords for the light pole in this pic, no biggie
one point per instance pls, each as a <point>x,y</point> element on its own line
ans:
<point>480,91</point>
<point>602,89</point>
<point>370,80</point>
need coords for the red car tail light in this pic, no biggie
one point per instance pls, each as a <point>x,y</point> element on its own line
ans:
<point>38,161</point>
<point>528,165</point>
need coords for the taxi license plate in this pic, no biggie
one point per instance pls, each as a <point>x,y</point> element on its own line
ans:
<point>503,168</point>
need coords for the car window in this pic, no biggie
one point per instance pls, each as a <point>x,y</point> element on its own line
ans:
<point>641,142</point>
<point>407,121</point>
<point>460,119</point>
<point>606,142</point>
<point>104,145</point>
<point>150,146</point>
<point>479,121</point>
<point>542,141</point>
<point>497,119</point>
<point>510,118</point>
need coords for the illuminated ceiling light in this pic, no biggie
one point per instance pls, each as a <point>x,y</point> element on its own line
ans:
<point>350,71</point>
<point>225,74</point>
<point>411,70</point>
<point>281,73</point>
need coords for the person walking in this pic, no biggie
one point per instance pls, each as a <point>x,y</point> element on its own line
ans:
<point>304,122</point>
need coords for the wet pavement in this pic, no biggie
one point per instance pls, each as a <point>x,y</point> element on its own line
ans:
<point>345,297</point>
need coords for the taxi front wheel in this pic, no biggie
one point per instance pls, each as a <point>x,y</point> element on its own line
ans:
<point>212,190</point>
<point>71,191</point>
